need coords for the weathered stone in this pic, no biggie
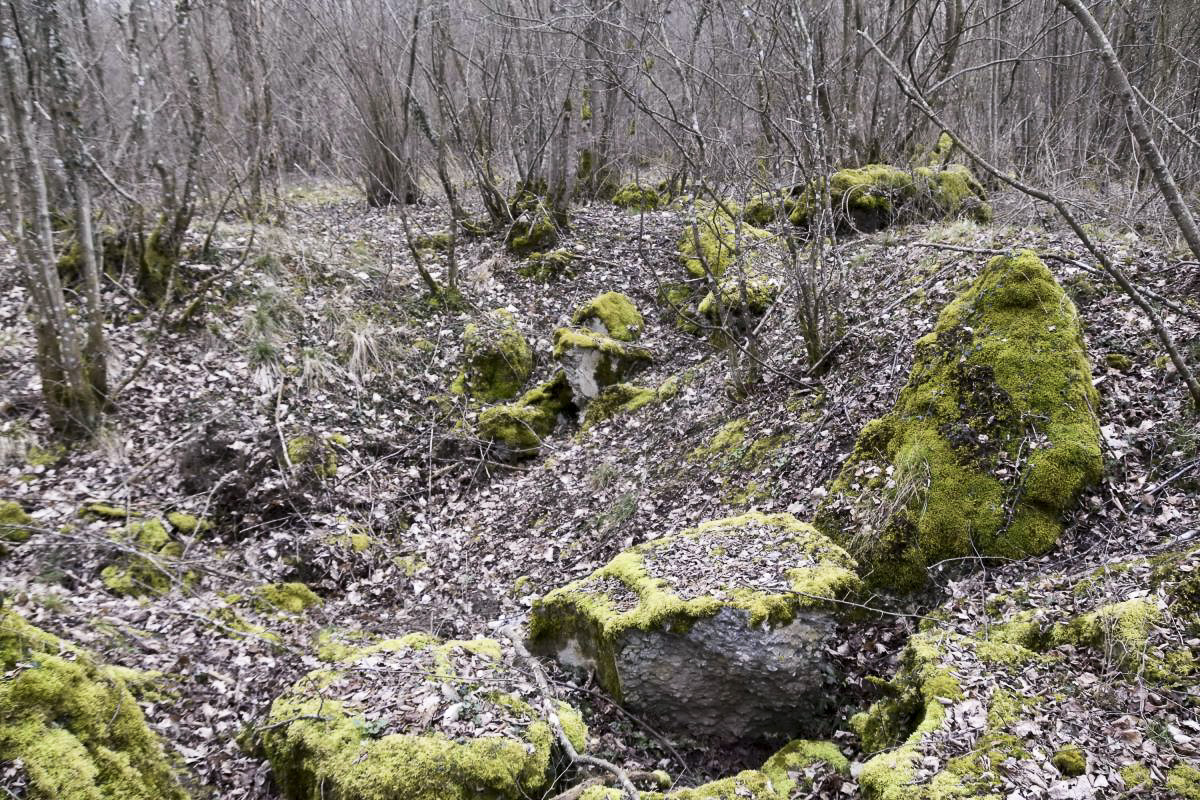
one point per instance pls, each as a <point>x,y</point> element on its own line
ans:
<point>992,440</point>
<point>517,429</point>
<point>720,632</point>
<point>416,718</point>
<point>497,359</point>
<point>593,361</point>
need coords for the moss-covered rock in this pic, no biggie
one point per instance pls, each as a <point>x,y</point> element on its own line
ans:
<point>875,196</point>
<point>634,197</point>
<point>152,572</point>
<point>718,241</point>
<point>71,726</point>
<point>519,428</point>
<point>592,361</point>
<point>415,718</point>
<point>548,266</point>
<point>532,232</point>
<point>497,359</point>
<point>290,598</point>
<point>1070,761</point>
<point>434,242</point>
<point>747,295</point>
<point>612,314</point>
<point>788,774</point>
<point>14,524</point>
<point>1118,361</point>
<point>721,631</point>
<point>620,398</point>
<point>993,438</point>
<point>766,207</point>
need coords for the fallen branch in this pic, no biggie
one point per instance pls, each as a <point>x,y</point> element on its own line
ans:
<point>551,714</point>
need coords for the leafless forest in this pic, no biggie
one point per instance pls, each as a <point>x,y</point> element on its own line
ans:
<point>598,399</point>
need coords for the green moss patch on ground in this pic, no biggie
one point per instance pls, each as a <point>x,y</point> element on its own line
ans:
<point>149,570</point>
<point>72,726</point>
<point>993,438</point>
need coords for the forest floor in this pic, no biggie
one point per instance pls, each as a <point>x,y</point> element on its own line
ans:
<point>325,334</point>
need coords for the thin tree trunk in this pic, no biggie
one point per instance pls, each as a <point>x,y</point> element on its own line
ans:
<point>1137,124</point>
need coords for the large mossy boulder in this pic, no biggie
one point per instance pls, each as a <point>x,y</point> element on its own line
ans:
<point>993,438</point>
<point>790,773</point>
<point>870,198</point>
<point>717,241</point>
<point>635,197</point>
<point>612,314</point>
<point>591,361</point>
<point>722,632</point>
<point>518,429</point>
<point>416,718</point>
<point>69,728</point>
<point>497,360</point>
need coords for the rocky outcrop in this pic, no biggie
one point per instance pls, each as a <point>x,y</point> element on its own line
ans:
<point>417,718</point>
<point>992,439</point>
<point>69,728</point>
<point>591,361</point>
<point>720,632</point>
<point>497,361</point>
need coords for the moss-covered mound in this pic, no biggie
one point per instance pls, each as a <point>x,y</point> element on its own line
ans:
<point>634,197</point>
<point>14,524</point>
<point>150,570</point>
<point>875,196</point>
<point>533,231</point>
<point>993,438</point>
<point>690,628</point>
<point>415,718</point>
<point>520,427</point>
<point>290,598</point>
<point>625,398</point>
<point>313,457</point>
<point>548,266</point>
<point>790,773</point>
<point>497,359</point>
<point>717,241</point>
<point>749,294</point>
<point>70,727</point>
<point>613,314</point>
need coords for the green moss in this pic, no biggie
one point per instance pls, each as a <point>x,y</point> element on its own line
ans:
<point>620,398</point>
<point>1136,775</point>
<point>314,455</point>
<point>534,233</point>
<point>787,774</point>
<point>73,726</point>
<point>522,426</point>
<point>634,197</point>
<point>765,207</point>
<point>14,522</point>
<point>1118,361</point>
<point>1070,761</point>
<point>291,598</point>
<point>323,747</point>
<point>497,359</point>
<point>722,241</point>
<point>750,295</point>
<point>230,620</point>
<point>45,456</point>
<point>1184,781</point>
<point>105,511</point>
<point>877,195</point>
<point>922,688</point>
<point>1003,378</point>
<point>547,266</point>
<point>188,524</point>
<point>615,313</point>
<point>584,612</point>
<point>730,437</point>
<point>134,575</point>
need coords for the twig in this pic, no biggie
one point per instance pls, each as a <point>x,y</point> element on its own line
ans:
<point>548,701</point>
<point>575,792</point>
